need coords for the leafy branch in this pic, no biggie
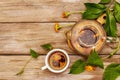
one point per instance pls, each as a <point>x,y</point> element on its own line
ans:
<point>33,55</point>
<point>23,68</point>
<point>93,61</point>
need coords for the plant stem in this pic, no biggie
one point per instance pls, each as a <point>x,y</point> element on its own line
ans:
<point>76,12</point>
<point>27,62</point>
<point>113,52</point>
<point>22,70</point>
<point>67,25</point>
<point>109,6</point>
<point>112,39</point>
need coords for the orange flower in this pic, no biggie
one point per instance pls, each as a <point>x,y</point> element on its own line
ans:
<point>66,14</point>
<point>89,68</point>
<point>57,57</point>
<point>57,27</point>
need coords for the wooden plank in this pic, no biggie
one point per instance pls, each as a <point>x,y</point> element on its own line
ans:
<point>18,38</point>
<point>31,11</point>
<point>37,2</point>
<point>10,65</point>
<point>40,10</point>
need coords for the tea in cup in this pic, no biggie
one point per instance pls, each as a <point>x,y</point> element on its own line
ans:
<point>57,61</point>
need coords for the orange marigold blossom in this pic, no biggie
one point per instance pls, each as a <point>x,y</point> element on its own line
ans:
<point>89,68</point>
<point>57,27</point>
<point>57,57</point>
<point>66,14</point>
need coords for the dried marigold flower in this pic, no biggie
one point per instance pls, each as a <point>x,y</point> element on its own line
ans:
<point>89,68</point>
<point>57,57</point>
<point>57,27</point>
<point>66,14</point>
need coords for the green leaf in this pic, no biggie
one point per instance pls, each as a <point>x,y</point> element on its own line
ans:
<point>33,53</point>
<point>94,5</point>
<point>117,11</point>
<point>110,26</point>
<point>20,73</point>
<point>95,60</point>
<point>47,46</point>
<point>111,72</point>
<point>105,1</point>
<point>77,67</point>
<point>93,10</point>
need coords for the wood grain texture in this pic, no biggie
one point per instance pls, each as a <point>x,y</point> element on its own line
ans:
<point>26,24</point>
<point>10,65</point>
<point>40,10</point>
<point>36,11</point>
<point>18,38</point>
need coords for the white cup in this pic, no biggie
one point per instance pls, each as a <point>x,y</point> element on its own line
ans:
<point>47,66</point>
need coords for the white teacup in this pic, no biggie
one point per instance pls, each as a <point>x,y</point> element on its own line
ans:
<point>47,66</point>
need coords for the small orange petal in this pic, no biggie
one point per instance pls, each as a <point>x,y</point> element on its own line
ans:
<point>89,68</point>
<point>63,15</point>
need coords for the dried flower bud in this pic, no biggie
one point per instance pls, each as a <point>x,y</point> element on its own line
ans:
<point>66,14</point>
<point>57,27</point>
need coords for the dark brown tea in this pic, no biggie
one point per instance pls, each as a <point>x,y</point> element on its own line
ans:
<point>57,60</point>
<point>88,37</point>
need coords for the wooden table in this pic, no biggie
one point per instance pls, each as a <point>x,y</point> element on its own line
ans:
<point>26,24</point>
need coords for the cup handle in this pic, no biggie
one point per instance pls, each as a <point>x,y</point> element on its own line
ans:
<point>44,67</point>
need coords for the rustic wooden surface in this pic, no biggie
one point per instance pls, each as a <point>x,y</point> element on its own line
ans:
<point>26,24</point>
